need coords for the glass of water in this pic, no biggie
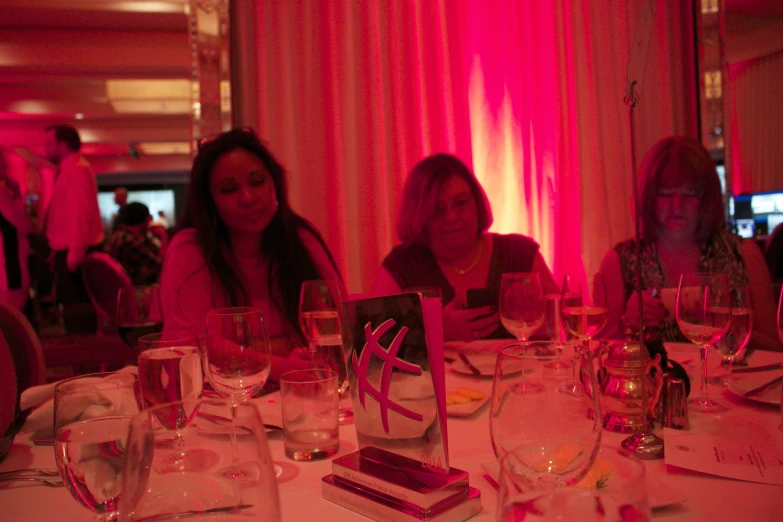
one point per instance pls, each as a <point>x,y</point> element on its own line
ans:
<point>310,420</point>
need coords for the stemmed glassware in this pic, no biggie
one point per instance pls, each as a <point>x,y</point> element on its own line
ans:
<point>320,323</point>
<point>92,414</point>
<point>733,344</point>
<point>583,317</point>
<point>521,305</point>
<point>703,315</point>
<point>170,372</point>
<point>138,312</point>
<point>237,361</point>
<point>545,414</point>
<point>152,490</point>
<point>780,336</point>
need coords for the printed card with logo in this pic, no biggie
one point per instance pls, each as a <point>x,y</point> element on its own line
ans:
<point>394,354</point>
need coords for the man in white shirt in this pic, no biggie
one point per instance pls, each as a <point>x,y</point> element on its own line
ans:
<point>73,222</point>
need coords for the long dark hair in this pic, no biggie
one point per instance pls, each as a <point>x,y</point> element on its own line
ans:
<point>290,263</point>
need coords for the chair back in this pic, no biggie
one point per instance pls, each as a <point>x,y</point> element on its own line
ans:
<point>773,253</point>
<point>9,397</point>
<point>25,346</point>
<point>103,277</point>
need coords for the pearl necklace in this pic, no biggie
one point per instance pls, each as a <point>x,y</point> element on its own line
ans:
<point>464,271</point>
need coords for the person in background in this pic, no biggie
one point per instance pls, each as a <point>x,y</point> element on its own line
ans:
<point>120,199</point>
<point>72,224</point>
<point>443,221</point>
<point>15,225</point>
<point>132,244</point>
<point>683,231</point>
<point>241,244</point>
<point>162,222</point>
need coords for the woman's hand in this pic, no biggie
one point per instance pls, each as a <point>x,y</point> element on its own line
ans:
<point>652,307</point>
<point>298,359</point>
<point>468,324</point>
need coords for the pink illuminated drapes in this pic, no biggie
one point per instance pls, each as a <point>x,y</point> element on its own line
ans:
<point>756,133</point>
<point>529,94</point>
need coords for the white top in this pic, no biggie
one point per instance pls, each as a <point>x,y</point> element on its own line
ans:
<point>73,221</point>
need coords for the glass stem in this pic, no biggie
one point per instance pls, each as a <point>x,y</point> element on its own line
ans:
<point>703,393</point>
<point>234,449</point>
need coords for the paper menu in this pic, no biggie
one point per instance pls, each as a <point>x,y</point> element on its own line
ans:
<point>727,446</point>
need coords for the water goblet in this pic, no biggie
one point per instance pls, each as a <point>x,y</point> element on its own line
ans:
<point>170,372</point>
<point>320,323</point>
<point>521,305</point>
<point>703,313</point>
<point>153,490</point>
<point>732,345</point>
<point>237,360</point>
<point>138,313</point>
<point>544,408</point>
<point>92,414</point>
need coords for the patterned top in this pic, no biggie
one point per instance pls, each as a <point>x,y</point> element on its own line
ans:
<point>721,253</point>
<point>140,256</point>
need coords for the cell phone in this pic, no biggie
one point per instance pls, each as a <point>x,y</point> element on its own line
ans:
<point>481,297</point>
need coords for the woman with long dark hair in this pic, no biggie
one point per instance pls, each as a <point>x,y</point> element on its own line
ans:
<point>239,243</point>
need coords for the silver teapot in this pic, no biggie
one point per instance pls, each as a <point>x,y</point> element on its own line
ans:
<point>619,385</point>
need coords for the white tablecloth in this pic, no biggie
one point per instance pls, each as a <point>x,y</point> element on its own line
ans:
<point>709,498</point>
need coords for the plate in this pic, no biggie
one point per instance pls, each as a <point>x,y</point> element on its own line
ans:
<point>740,385</point>
<point>480,346</point>
<point>466,409</point>
<point>483,362</point>
<point>661,494</point>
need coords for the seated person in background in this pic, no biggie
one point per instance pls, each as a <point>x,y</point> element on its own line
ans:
<point>241,244</point>
<point>137,250</point>
<point>15,225</point>
<point>443,222</point>
<point>682,232</point>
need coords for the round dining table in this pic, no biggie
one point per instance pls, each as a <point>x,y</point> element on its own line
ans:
<point>688,495</point>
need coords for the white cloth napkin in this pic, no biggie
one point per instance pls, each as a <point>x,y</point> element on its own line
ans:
<point>41,399</point>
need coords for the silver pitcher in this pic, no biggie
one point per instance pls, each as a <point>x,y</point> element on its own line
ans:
<point>619,385</point>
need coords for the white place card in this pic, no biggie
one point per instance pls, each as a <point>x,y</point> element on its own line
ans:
<point>727,446</point>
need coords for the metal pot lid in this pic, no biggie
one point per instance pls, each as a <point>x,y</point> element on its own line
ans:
<point>623,354</point>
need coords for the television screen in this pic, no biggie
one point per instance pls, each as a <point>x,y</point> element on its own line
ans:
<point>157,200</point>
<point>746,228</point>
<point>773,220</point>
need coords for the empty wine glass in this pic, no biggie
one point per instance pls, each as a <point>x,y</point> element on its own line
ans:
<point>320,323</point>
<point>92,414</point>
<point>170,372</point>
<point>138,312</point>
<point>623,497</point>
<point>732,345</point>
<point>237,360</point>
<point>544,409</point>
<point>153,490</point>
<point>703,315</point>
<point>521,306</point>
<point>584,317</point>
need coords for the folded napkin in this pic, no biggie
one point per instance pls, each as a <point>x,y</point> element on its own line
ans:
<point>41,400</point>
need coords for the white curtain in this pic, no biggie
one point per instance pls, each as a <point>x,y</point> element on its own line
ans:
<point>527,93</point>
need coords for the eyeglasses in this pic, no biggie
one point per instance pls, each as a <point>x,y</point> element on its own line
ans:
<point>204,140</point>
<point>459,206</point>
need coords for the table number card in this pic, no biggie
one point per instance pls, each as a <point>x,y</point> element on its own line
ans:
<point>728,447</point>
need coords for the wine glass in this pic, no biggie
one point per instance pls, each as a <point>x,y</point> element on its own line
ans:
<point>703,313</point>
<point>320,323</point>
<point>544,409</point>
<point>170,372</point>
<point>623,496</point>
<point>237,361</point>
<point>780,336</point>
<point>583,317</point>
<point>152,490</point>
<point>138,312</point>
<point>521,306</point>
<point>732,345</point>
<point>92,414</point>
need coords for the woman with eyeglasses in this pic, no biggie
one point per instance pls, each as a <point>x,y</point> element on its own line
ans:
<point>240,243</point>
<point>443,220</point>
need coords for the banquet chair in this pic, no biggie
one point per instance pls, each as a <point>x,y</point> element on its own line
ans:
<point>773,254</point>
<point>9,395</point>
<point>25,346</point>
<point>103,277</point>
